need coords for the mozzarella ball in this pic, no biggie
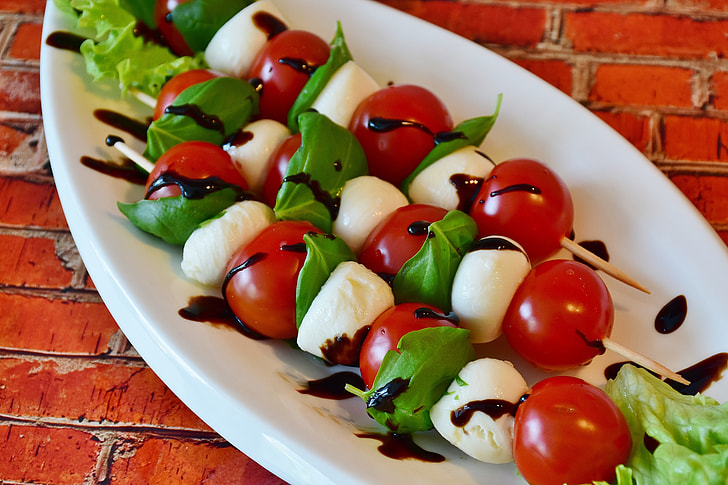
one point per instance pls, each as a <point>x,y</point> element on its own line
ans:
<point>365,202</point>
<point>339,317</point>
<point>209,248</point>
<point>236,44</point>
<point>484,284</point>
<point>252,148</point>
<point>491,388</point>
<point>438,183</point>
<point>348,87</point>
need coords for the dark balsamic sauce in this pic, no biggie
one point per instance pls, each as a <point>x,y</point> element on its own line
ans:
<point>136,128</point>
<point>418,228</point>
<point>401,447</point>
<point>467,188</point>
<point>382,399</point>
<point>494,243</point>
<point>269,24</point>
<point>126,169</point>
<point>65,41</point>
<point>331,203</point>
<point>194,188</point>
<point>495,408</point>
<point>238,139</point>
<point>216,311</point>
<point>299,65</point>
<point>424,312</point>
<point>384,125</point>
<point>334,386</point>
<point>516,188</point>
<point>595,247</point>
<point>205,120</point>
<point>294,248</point>
<point>650,443</point>
<point>343,349</point>
<point>672,315</point>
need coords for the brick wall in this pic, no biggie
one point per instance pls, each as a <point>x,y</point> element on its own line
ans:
<point>654,70</point>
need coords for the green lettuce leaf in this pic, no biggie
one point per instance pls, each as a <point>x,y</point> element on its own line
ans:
<point>687,435</point>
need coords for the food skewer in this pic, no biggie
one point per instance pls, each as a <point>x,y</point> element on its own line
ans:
<point>643,361</point>
<point>133,155</point>
<point>143,97</point>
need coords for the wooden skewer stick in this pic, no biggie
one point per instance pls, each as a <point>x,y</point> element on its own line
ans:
<point>600,263</point>
<point>133,155</point>
<point>644,361</point>
<point>143,97</point>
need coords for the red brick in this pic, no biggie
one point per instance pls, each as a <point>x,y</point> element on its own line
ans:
<point>20,91</point>
<point>39,324</point>
<point>26,42</point>
<point>22,147</point>
<point>187,461</point>
<point>695,138</point>
<point>703,5</point>
<point>32,262</point>
<point>709,193</point>
<point>29,204</point>
<point>557,73</point>
<point>54,456</point>
<point>499,24</point>
<point>629,84</point>
<point>635,128</point>
<point>645,34</point>
<point>84,391</point>
<point>719,83</point>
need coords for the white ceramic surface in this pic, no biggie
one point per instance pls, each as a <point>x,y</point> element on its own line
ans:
<point>247,390</point>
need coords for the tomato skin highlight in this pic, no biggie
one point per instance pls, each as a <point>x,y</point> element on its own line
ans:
<point>559,315</point>
<point>527,201</point>
<point>387,330</point>
<point>179,83</point>
<point>569,431</point>
<point>278,166</point>
<point>283,67</point>
<point>173,37</point>
<point>194,160</point>
<point>262,293</point>
<point>412,117</point>
<point>398,237</point>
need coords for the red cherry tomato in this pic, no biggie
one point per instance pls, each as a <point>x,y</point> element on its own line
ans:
<point>277,167</point>
<point>179,83</point>
<point>568,431</point>
<point>165,24</point>
<point>260,286</point>
<point>397,127</point>
<point>528,202</point>
<point>559,315</point>
<point>387,330</point>
<point>283,67</point>
<point>398,237</point>
<point>194,160</point>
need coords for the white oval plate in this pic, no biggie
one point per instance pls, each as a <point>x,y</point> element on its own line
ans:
<point>247,390</point>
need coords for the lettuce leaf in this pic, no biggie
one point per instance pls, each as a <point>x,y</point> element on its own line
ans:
<point>677,439</point>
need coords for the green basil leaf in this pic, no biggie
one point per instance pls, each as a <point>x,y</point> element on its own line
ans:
<point>470,132</point>
<point>173,219</point>
<point>338,56</point>
<point>329,156</point>
<point>412,380</point>
<point>427,276</point>
<point>224,104</point>
<point>324,252</point>
<point>199,20</point>
<point>141,9</point>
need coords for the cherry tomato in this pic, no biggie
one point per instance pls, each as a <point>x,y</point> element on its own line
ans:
<point>282,68</point>
<point>398,237</point>
<point>387,330</point>
<point>179,83</point>
<point>397,127</point>
<point>260,285</point>
<point>568,431</point>
<point>165,23</point>
<point>277,167</point>
<point>528,202</point>
<point>194,160</point>
<point>559,315</point>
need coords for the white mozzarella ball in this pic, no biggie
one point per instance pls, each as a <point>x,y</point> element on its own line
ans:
<point>486,384</point>
<point>484,284</point>
<point>336,323</point>
<point>259,139</point>
<point>235,45</point>
<point>348,87</point>
<point>209,248</point>
<point>365,201</point>
<point>433,185</point>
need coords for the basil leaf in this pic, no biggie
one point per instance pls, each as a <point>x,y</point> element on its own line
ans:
<point>338,56</point>
<point>141,9</point>
<point>427,276</point>
<point>470,132</point>
<point>224,104</point>
<point>199,20</point>
<point>324,252</point>
<point>411,381</point>
<point>173,219</point>
<point>329,156</point>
